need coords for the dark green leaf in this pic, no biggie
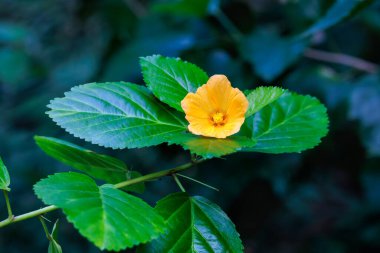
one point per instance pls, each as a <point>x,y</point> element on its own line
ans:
<point>196,8</point>
<point>117,115</point>
<point>195,224</point>
<point>170,79</point>
<point>270,54</point>
<point>212,147</point>
<point>108,217</point>
<point>292,123</point>
<point>340,10</point>
<point>261,97</point>
<point>99,166</point>
<point>96,165</point>
<point>4,177</point>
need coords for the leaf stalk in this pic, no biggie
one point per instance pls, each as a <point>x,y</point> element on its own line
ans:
<point>8,203</point>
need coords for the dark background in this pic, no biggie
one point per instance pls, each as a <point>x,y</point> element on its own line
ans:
<point>325,200</point>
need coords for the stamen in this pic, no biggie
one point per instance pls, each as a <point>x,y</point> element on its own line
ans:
<point>218,119</point>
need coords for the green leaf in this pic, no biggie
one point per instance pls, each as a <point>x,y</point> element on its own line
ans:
<point>195,224</point>
<point>99,166</point>
<point>170,79</point>
<point>340,10</point>
<point>261,97</point>
<point>212,147</point>
<point>270,54</point>
<point>54,247</point>
<point>4,177</point>
<point>96,165</point>
<point>292,123</point>
<point>108,217</point>
<point>117,115</point>
<point>197,8</point>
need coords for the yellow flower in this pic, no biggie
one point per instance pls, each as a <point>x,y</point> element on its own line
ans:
<point>216,109</point>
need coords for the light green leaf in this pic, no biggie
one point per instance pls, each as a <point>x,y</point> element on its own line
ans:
<point>108,217</point>
<point>54,247</point>
<point>212,147</point>
<point>197,8</point>
<point>194,224</point>
<point>292,123</point>
<point>270,54</point>
<point>261,97</point>
<point>117,115</point>
<point>170,79</point>
<point>4,177</point>
<point>340,10</point>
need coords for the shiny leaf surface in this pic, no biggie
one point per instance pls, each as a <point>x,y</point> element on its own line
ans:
<point>117,115</point>
<point>170,79</point>
<point>261,97</point>
<point>292,123</point>
<point>108,217</point>
<point>194,224</point>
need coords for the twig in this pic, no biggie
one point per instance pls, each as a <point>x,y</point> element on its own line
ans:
<point>48,236</point>
<point>136,7</point>
<point>227,24</point>
<point>199,182</point>
<point>176,179</point>
<point>343,59</point>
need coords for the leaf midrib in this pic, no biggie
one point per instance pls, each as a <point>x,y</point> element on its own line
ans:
<point>119,115</point>
<point>284,121</point>
<point>168,74</point>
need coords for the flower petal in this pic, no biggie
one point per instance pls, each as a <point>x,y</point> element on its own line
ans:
<point>215,97</point>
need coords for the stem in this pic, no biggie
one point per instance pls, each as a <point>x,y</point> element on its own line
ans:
<point>342,59</point>
<point>157,174</point>
<point>141,179</point>
<point>48,236</point>
<point>10,214</point>
<point>178,182</point>
<point>227,24</point>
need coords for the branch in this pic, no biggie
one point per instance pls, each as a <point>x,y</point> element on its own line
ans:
<point>119,185</point>
<point>157,174</point>
<point>28,215</point>
<point>342,59</point>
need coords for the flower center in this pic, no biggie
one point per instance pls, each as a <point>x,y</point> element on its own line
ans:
<point>218,119</point>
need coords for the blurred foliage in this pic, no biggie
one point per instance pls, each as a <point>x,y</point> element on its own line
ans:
<point>325,200</point>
